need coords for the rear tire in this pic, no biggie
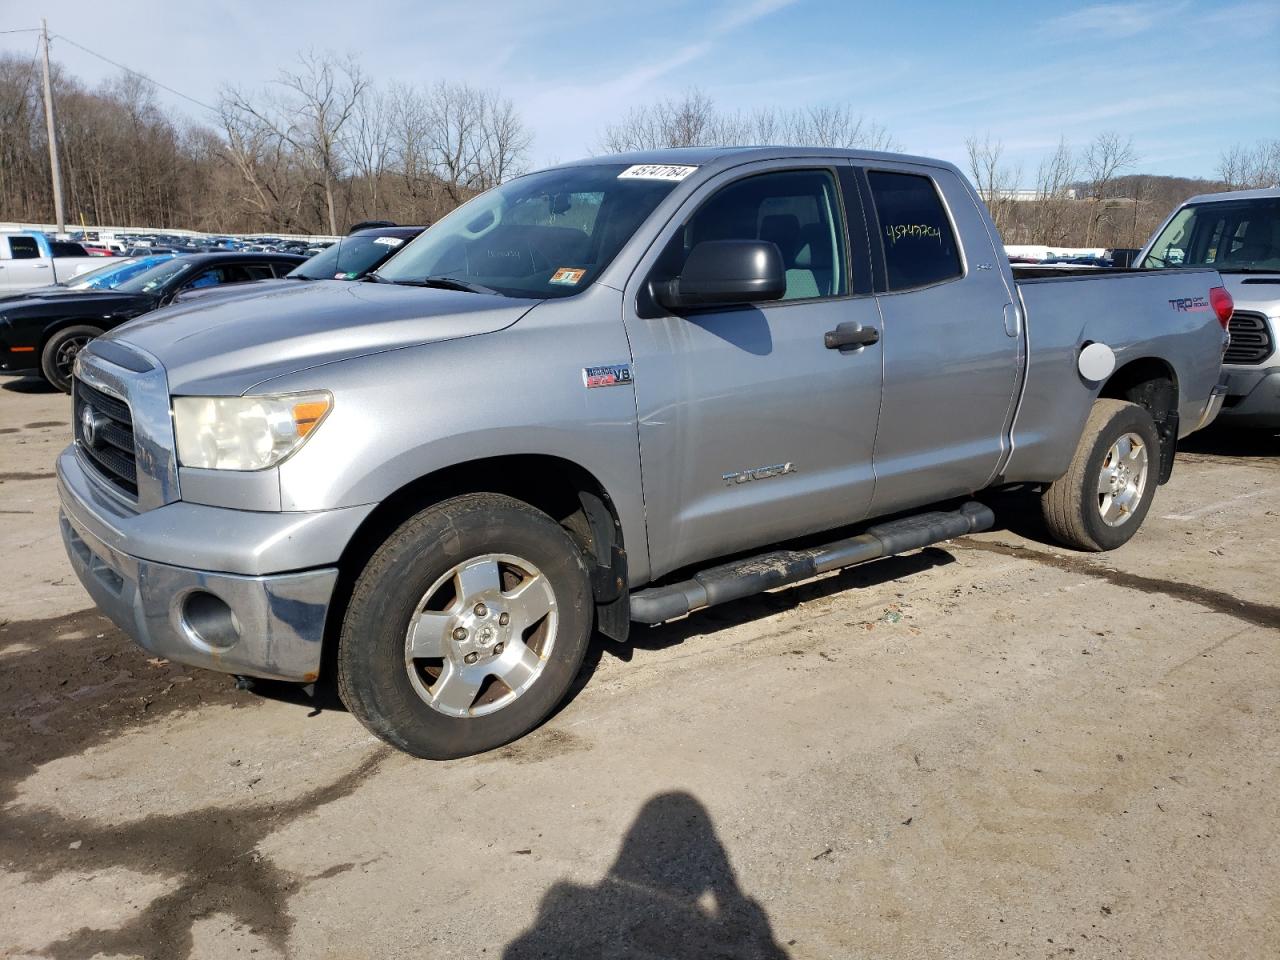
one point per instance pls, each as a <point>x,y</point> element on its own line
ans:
<point>1101,501</point>
<point>57,359</point>
<point>466,628</point>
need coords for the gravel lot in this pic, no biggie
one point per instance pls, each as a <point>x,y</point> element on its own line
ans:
<point>993,748</point>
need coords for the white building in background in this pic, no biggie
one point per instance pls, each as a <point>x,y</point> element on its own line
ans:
<point>1022,193</point>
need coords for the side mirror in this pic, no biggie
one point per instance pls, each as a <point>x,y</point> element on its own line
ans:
<point>726,272</point>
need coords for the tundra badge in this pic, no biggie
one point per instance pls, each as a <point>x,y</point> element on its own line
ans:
<point>758,473</point>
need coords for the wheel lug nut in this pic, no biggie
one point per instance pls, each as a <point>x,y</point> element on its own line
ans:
<point>497,649</point>
<point>460,634</point>
<point>481,610</point>
<point>471,657</point>
<point>504,619</point>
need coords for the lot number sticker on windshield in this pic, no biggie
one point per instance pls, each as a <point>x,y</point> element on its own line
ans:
<point>656,171</point>
<point>569,276</point>
<point>389,241</point>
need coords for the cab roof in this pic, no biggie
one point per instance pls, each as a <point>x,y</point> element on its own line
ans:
<point>719,158</point>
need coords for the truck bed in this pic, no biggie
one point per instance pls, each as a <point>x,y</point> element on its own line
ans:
<point>1141,314</point>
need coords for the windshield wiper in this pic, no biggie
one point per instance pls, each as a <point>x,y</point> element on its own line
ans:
<point>1249,269</point>
<point>448,283</point>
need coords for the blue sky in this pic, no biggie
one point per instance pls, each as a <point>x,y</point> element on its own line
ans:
<point>1184,79</point>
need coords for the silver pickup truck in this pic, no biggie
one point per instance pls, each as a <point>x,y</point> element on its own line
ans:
<point>28,261</point>
<point>1237,234</point>
<point>618,390</point>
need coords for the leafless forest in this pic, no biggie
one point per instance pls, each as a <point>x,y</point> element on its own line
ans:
<point>325,145</point>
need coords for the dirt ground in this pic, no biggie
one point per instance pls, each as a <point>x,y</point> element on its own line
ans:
<point>993,748</point>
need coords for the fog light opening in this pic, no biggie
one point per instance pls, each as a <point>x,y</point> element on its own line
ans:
<point>210,621</point>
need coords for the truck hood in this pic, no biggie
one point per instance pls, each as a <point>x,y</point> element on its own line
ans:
<point>225,347</point>
<point>1259,292</point>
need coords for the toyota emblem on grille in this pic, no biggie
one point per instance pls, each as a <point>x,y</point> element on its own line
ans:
<point>88,426</point>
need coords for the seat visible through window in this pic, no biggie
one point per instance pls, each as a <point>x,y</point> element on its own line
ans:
<point>797,211</point>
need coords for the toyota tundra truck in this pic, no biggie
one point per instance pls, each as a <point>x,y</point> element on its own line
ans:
<point>616,391</point>
<point>1237,234</point>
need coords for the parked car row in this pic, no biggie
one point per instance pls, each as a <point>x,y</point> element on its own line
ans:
<point>42,330</point>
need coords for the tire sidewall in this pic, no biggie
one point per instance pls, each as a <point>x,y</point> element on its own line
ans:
<point>372,643</point>
<point>48,354</point>
<point>1130,419</point>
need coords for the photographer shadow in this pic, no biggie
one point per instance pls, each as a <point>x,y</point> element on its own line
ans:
<point>670,893</point>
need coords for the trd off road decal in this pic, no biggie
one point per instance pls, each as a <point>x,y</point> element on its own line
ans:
<point>613,375</point>
<point>1190,304</point>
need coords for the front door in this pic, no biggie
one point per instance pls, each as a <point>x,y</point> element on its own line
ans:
<point>751,429</point>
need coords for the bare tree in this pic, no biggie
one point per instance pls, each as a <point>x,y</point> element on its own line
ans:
<point>692,120</point>
<point>1104,158</point>
<point>1247,168</point>
<point>314,103</point>
<point>1054,177</point>
<point>995,182</point>
<point>369,143</point>
<point>686,121</point>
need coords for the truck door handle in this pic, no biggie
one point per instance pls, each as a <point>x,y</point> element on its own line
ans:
<point>850,335</point>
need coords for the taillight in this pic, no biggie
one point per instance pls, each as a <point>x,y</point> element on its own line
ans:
<point>1222,304</point>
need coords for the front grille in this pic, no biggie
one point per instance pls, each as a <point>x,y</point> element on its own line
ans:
<point>1250,339</point>
<point>111,449</point>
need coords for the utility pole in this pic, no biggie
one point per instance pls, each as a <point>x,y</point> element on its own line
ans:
<point>54,171</point>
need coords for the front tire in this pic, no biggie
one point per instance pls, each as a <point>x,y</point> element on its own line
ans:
<point>1101,501</point>
<point>58,358</point>
<point>466,627</point>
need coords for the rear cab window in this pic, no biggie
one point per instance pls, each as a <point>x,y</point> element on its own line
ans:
<point>24,248</point>
<point>919,244</point>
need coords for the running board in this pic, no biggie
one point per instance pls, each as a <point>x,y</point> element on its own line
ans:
<point>745,578</point>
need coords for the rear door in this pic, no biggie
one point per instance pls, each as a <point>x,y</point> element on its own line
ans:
<point>951,340</point>
<point>751,430</point>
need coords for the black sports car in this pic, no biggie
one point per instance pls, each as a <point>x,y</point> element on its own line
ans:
<point>44,331</point>
<point>351,258</point>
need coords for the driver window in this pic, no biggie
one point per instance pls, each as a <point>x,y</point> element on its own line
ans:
<point>796,210</point>
<point>206,278</point>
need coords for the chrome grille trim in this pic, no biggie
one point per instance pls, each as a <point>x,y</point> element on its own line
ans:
<point>149,432</point>
<point>1250,338</point>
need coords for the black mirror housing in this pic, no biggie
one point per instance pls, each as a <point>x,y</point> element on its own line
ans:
<point>724,273</point>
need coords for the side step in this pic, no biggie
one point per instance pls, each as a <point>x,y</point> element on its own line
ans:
<point>745,578</point>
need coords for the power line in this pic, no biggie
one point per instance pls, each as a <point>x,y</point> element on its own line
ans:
<point>23,30</point>
<point>136,73</point>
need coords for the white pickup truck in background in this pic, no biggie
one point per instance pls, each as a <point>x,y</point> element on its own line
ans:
<point>27,261</point>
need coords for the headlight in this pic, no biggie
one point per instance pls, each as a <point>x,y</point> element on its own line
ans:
<point>245,433</point>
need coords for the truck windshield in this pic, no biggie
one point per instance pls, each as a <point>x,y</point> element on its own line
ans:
<point>348,259</point>
<point>548,234</point>
<point>1229,235</point>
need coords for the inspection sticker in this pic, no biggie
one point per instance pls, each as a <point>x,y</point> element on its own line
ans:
<point>656,171</point>
<point>389,241</point>
<point>569,276</point>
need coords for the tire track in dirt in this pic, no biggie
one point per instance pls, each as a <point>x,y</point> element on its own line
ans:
<point>1219,601</point>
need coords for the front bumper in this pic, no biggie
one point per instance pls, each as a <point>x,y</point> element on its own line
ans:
<point>1253,398</point>
<point>259,626</point>
<point>219,606</point>
<point>18,361</point>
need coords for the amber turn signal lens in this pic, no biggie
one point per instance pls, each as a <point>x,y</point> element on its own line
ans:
<point>307,415</point>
